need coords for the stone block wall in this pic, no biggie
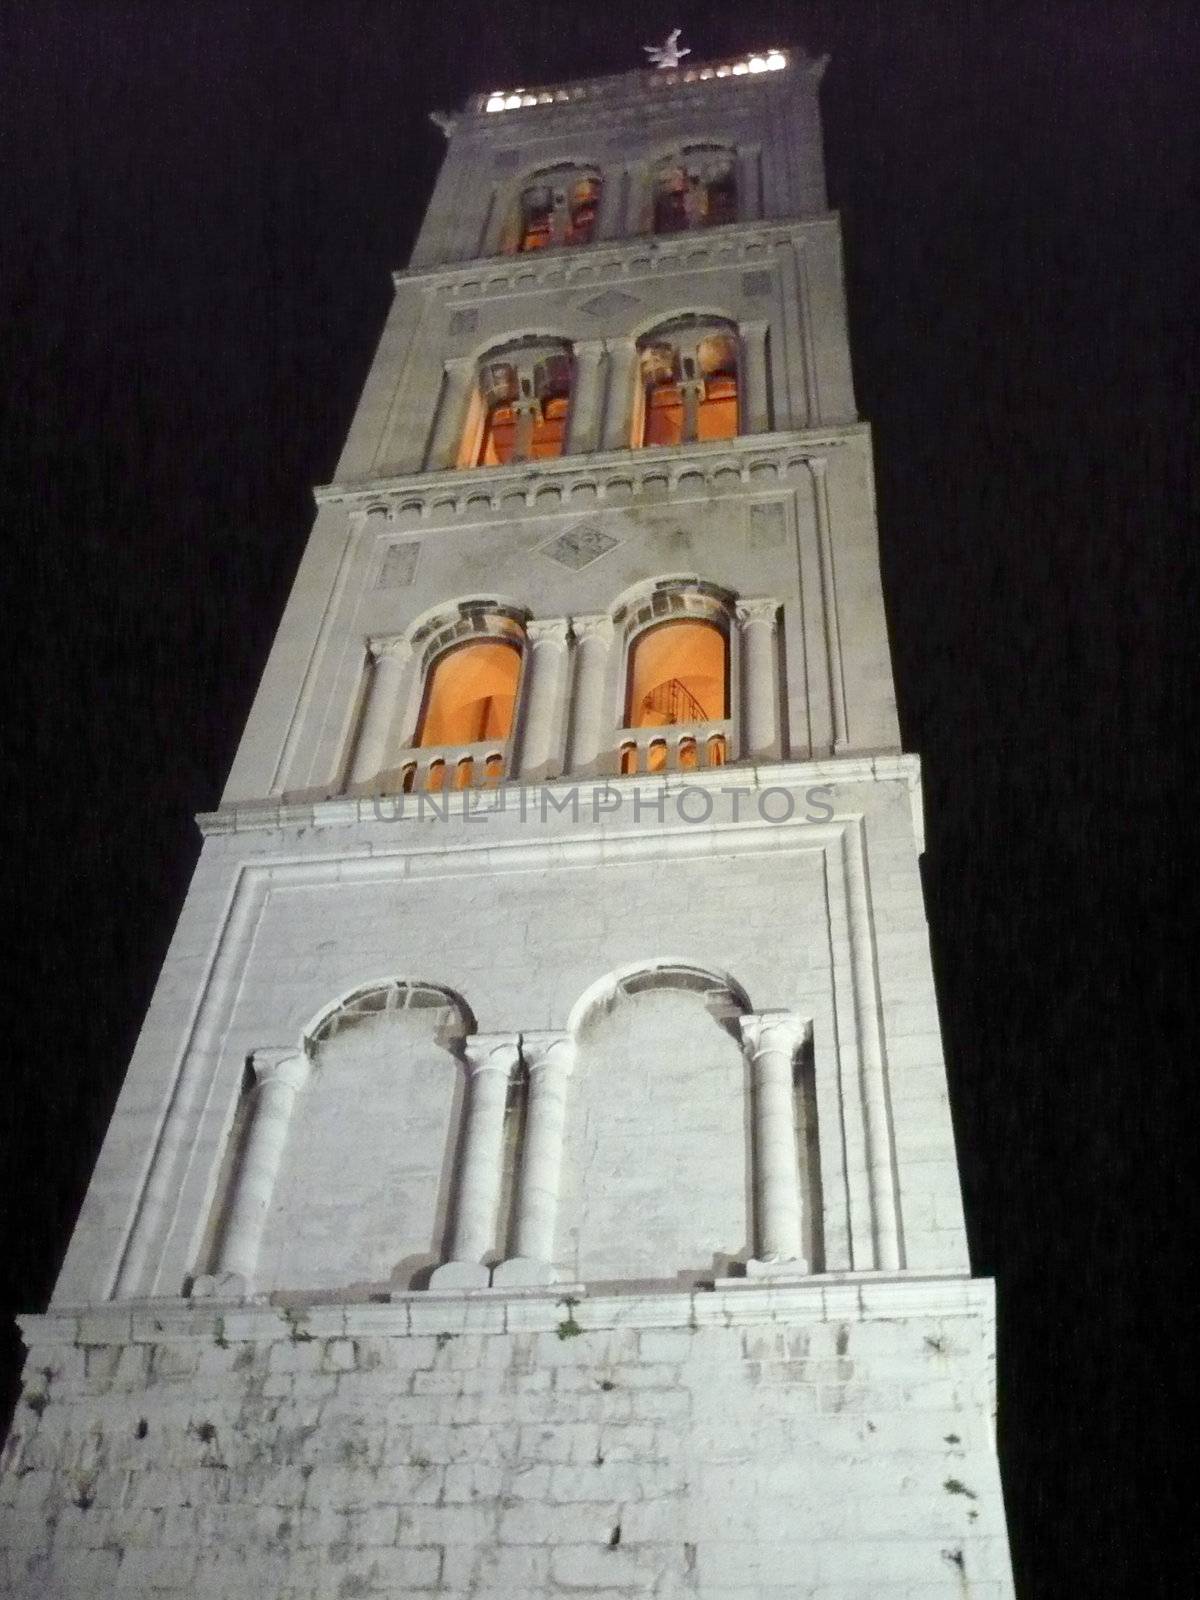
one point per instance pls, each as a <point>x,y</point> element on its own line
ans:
<point>831,1440</point>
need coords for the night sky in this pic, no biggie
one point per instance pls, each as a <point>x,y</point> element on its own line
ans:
<point>199,209</point>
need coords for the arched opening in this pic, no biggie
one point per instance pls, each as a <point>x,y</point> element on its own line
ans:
<point>558,207</point>
<point>678,673</point>
<point>470,694</point>
<point>690,378</point>
<point>658,1094</point>
<point>695,189</point>
<point>526,399</point>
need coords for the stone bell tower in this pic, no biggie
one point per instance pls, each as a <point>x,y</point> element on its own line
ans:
<point>535,1173</point>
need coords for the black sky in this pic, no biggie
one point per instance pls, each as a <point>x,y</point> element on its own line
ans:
<point>199,208</point>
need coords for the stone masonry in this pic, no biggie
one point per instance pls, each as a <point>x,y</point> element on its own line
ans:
<point>828,1441</point>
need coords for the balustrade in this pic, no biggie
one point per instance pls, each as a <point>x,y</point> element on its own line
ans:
<point>680,747</point>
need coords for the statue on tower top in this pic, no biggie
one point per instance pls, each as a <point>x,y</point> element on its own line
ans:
<point>669,54</point>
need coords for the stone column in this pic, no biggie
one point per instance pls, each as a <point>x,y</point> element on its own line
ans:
<point>388,659</point>
<point>593,636</point>
<point>538,737</point>
<point>549,1058</point>
<point>817,466</point>
<point>587,397</point>
<point>623,380</point>
<point>771,1039</point>
<point>525,413</point>
<point>760,687</point>
<point>491,1058</point>
<point>457,383</point>
<point>609,218</point>
<point>637,200</point>
<point>754,401</point>
<point>692,391</point>
<point>279,1076</point>
<point>749,202</point>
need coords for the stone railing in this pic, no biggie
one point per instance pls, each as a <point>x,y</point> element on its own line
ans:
<point>677,747</point>
<point>455,766</point>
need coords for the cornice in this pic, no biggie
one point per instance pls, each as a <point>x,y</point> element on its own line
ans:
<point>256,816</point>
<point>575,483</point>
<point>643,90</point>
<point>732,244</point>
<point>748,1302</point>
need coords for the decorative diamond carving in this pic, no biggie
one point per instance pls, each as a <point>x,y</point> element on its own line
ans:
<point>505,160</point>
<point>579,546</point>
<point>464,321</point>
<point>609,302</point>
<point>398,567</point>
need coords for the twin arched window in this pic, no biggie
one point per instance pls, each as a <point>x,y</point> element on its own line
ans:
<point>670,689</point>
<point>695,189</point>
<point>687,393</point>
<point>525,393</point>
<point>558,207</point>
<point>689,371</point>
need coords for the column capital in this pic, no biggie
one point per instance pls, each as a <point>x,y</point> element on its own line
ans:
<point>492,1052</point>
<point>546,630</point>
<point>546,1048</point>
<point>766,1032</point>
<point>594,627</point>
<point>756,327</point>
<point>817,465</point>
<point>758,610</point>
<point>393,645</point>
<point>461,366</point>
<point>621,344</point>
<point>279,1064</point>
<point>591,349</point>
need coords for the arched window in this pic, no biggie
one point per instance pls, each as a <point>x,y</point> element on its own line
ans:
<point>695,189</point>
<point>678,673</point>
<point>525,394</point>
<point>470,694</point>
<point>558,207</point>
<point>689,374</point>
<point>677,678</point>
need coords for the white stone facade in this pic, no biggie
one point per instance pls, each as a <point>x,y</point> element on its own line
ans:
<point>535,1172</point>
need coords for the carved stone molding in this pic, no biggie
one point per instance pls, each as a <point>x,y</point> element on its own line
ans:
<point>736,244</point>
<point>612,477</point>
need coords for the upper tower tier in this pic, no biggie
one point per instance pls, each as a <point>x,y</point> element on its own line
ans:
<point>642,152</point>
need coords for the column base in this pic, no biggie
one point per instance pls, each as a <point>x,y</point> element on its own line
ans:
<point>460,1275</point>
<point>220,1286</point>
<point>773,1268</point>
<point>521,1272</point>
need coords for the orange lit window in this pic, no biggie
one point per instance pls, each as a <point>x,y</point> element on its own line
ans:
<point>537,231</point>
<point>549,428</point>
<point>499,436</point>
<point>470,694</point>
<point>700,405</point>
<point>677,674</point>
<point>527,399</point>
<point>664,414</point>
<point>585,207</point>
<point>560,212</point>
<point>671,205</point>
<point>701,192</point>
<point>717,413</point>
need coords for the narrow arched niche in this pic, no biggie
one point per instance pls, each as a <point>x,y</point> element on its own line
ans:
<point>362,1196</point>
<point>657,1178</point>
